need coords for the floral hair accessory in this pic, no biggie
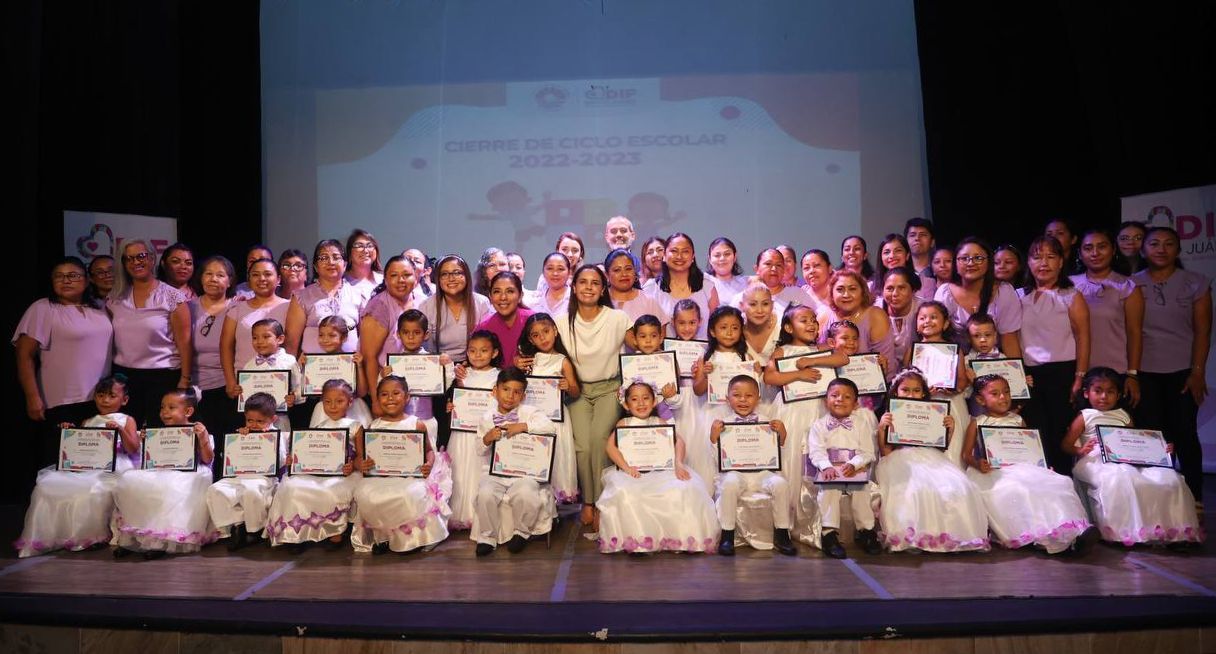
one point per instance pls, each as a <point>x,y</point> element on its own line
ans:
<point>624,389</point>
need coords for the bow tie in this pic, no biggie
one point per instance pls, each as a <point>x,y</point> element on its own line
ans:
<point>751,418</point>
<point>833,423</point>
<point>510,418</point>
<point>259,360</point>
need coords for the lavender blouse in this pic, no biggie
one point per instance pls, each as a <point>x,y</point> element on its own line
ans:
<point>143,337</point>
<point>1169,319</point>
<point>74,345</point>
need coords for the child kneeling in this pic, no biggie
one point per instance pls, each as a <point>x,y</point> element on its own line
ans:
<point>846,435</point>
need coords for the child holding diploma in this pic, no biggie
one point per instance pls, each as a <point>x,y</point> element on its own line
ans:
<point>268,336</point>
<point>483,356</point>
<point>239,505</point>
<point>661,510</point>
<point>847,430</point>
<point>648,339</point>
<point>927,502</point>
<point>689,414</point>
<point>524,496</point>
<point>984,343</point>
<point>413,329</point>
<point>933,326</point>
<point>401,514</point>
<point>743,397</point>
<point>314,508</point>
<point>331,336</point>
<point>1131,504</point>
<point>71,510</point>
<point>158,512</point>
<point>541,348</point>
<point>1027,504</point>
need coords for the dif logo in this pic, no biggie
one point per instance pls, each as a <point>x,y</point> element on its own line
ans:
<point>603,94</point>
<point>551,97</point>
<point>1188,227</point>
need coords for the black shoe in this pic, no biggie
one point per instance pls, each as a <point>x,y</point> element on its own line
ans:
<point>781,541</point>
<point>1085,541</point>
<point>152,555</point>
<point>237,540</point>
<point>484,549</point>
<point>830,544</point>
<point>869,541</point>
<point>380,548</point>
<point>517,544</point>
<point>297,548</point>
<point>96,547</point>
<point>121,552</point>
<point>333,545</point>
<point>726,542</point>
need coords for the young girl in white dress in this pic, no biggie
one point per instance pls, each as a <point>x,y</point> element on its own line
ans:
<point>1131,504</point>
<point>927,502</point>
<point>643,512</point>
<point>933,326</point>
<point>71,510</point>
<point>544,345</point>
<point>689,414</point>
<point>402,514</point>
<point>483,356</point>
<point>314,508</point>
<point>160,512</point>
<point>332,334</point>
<point>1027,504</point>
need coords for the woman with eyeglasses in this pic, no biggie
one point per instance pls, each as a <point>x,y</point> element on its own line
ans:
<point>152,344</point>
<point>1129,239</point>
<point>975,289</point>
<point>293,273</point>
<point>208,313</point>
<point>363,271</point>
<point>1177,336</point>
<point>101,277</point>
<point>1116,312</point>
<point>63,348</point>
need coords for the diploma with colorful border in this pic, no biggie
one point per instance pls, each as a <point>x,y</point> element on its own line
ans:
<point>865,371</point>
<point>1138,447</point>
<point>658,368</point>
<point>468,405</point>
<point>687,353</point>
<point>839,457</point>
<point>254,453</point>
<point>422,372</point>
<point>798,390</point>
<point>86,449</point>
<point>170,448</point>
<point>276,383</point>
<point>322,367</point>
<point>648,448</point>
<point>545,393</point>
<point>723,372</point>
<point>748,447</point>
<point>523,455</point>
<point>1013,370</point>
<point>1005,446</point>
<point>318,451</point>
<point>395,452</point>
<point>938,362</point>
<point>918,422</point>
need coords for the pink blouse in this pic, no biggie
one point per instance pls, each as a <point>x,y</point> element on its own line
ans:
<point>143,337</point>
<point>74,344</point>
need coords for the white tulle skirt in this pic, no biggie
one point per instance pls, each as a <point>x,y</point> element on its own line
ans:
<point>929,504</point>
<point>311,508</point>
<point>467,463</point>
<point>163,510</point>
<point>1138,505</point>
<point>798,418</point>
<point>68,510</point>
<point>1031,505</point>
<point>564,479</point>
<point>656,513</point>
<point>692,424</point>
<point>406,513</point>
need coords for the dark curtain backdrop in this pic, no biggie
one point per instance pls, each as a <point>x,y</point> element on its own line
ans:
<point>1034,111</point>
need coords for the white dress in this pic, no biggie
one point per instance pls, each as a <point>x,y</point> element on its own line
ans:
<point>928,503</point>
<point>72,510</point>
<point>312,508</point>
<point>689,417</point>
<point>1132,504</point>
<point>1027,504</point>
<point>405,512</point>
<point>655,512</point>
<point>564,481</point>
<point>467,460</point>
<point>164,510</point>
<point>798,418</point>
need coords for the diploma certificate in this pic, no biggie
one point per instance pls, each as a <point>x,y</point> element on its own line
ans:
<point>523,455</point>
<point>83,449</point>
<point>748,447</point>
<point>839,457</point>
<point>863,370</point>
<point>797,391</point>
<point>422,372</point>
<point>1139,447</point>
<point>255,453</point>
<point>395,452</point>
<point>170,448</point>
<point>545,393</point>
<point>318,452</point>
<point>658,369</point>
<point>1013,370</point>
<point>648,448</point>
<point>918,422</point>
<point>719,379</point>
<point>320,368</point>
<point>687,353</point>
<point>276,383</point>
<point>1005,446</point>
<point>468,405</point>
<point>938,362</point>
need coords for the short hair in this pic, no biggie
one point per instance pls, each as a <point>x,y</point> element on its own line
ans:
<point>918,222</point>
<point>512,374</point>
<point>413,315</point>
<point>336,322</point>
<point>261,403</point>
<point>185,394</point>
<point>867,298</point>
<point>846,382</point>
<point>350,245</point>
<point>647,320</point>
<point>270,323</point>
<point>722,240</point>
<point>338,384</point>
<point>743,379</point>
<point>977,319</point>
<point>107,383</point>
<point>228,269</point>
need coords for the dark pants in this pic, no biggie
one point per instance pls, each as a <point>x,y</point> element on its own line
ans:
<point>1050,409</point>
<point>73,413</point>
<point>1165,407</point>
<point>218,414</point>
<point>439,405</point>
<point>145,388</point>
<point>300,413</point>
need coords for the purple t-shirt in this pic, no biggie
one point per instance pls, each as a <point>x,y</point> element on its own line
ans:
<point>1005,309</point>
<point>1046,330</point>
<point>208,373</point>
<point>1106,299</point>
<point>244,315</point>
<point>865,343</point>
<point>345,302</point>
<point>74,345</point>
<point>385,310</point>
<point>143,337</point>
<point>1169,319</point>
<point>508,337</point>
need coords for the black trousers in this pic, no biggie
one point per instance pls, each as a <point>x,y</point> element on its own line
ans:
<point>1050,409</point>
<point>218,414</point>
<point>48,452</point>
<point>145,389</point>
<point>1165,407</point>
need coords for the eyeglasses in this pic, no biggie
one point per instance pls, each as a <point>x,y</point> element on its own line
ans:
<point>452,274</point>
<point>1128,238</point>
<point>142,256</point>
<point>296,267</point>
<point>103,273</point>
<point>327,258</point>
<point>977,258</point>
<point>363,246</point>
<point>1159,294</point>
<point>206,329</point>
<point>68,277</point>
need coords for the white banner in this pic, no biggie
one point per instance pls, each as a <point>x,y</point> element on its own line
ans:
<point>88,234</point>
<point>1192,212</point>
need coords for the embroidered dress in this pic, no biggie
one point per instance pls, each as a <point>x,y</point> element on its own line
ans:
<point>405,512</point>
<point>565,469</point>
<point>655,512</point>
<point>1132,504</point>
<point>1029,505</point>
<point>164,510</point>
<point>467,462</point>
<point>311,508</point>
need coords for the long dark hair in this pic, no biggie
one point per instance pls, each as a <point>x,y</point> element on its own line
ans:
<point>380,288</point>
<point>496,360</point>
<point>350,244</point>
<point>527,349</point>
<point>867,270</point>
<point>787,316</point>
<point>1062,280</point>
<point>162,272</point>
<point>715,316</point>
<point>89,299</point>
<point>621,252</point>
<point>735,270</point>
<point>988,286</point>
<point>605,300</point>
<point>882,267</point>
<point>696,278</point>
<point>469,307</point>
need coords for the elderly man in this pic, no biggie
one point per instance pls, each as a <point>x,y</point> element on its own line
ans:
<point>618,233</point>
